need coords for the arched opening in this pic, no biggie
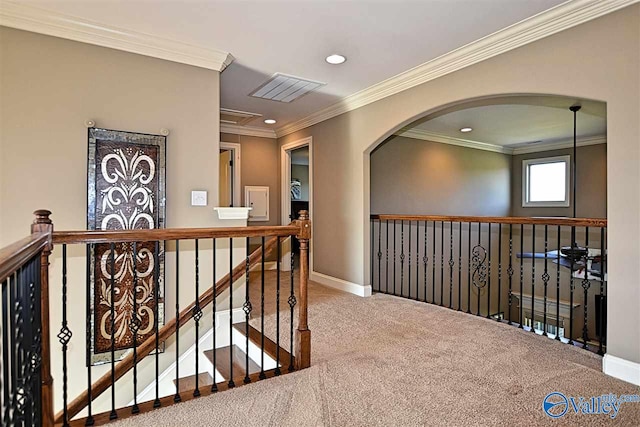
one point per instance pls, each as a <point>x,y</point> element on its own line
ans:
<point>456,198</point>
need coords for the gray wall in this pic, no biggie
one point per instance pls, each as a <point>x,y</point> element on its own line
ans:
<point>591,180</point>
<point>412,176</point>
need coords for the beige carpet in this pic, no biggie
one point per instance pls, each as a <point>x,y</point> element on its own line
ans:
<point>386,361</point>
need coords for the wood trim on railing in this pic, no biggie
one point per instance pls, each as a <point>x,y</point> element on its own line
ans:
<point>575,222</point>
<point>144,349</point>
<point>120,236</point>
<point>19,253</point>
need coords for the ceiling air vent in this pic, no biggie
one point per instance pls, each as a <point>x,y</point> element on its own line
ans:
<point>285,88</point>
<point>235,117</point>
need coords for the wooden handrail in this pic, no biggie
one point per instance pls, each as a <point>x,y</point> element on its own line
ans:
<point>144,349</point>
<point>120,236</point>
<point>574,222</point>
<point>17,254</point>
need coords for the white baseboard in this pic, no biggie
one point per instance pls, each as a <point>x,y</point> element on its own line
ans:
<point>343,285</point>
<point>621,368</point>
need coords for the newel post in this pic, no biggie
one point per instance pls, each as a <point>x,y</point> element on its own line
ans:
<point>303,334</point>
<point>43,224</point>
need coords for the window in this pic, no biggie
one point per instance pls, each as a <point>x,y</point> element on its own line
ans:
<point>545,182</point>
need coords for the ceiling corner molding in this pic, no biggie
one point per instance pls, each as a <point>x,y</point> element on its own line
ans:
<point>559,145</point>
<point>444,139</point>
<point>247,131</point>
<point>29,18</point>
<point>537,27</point>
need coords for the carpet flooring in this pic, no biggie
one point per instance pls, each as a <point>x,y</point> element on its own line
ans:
<point>388,361</point>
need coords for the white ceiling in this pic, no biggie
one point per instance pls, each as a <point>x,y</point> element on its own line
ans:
<point>380,38</point>
<point>513,125</point>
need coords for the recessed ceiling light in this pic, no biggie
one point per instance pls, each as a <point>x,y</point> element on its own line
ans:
<point>465,130</point>
<point>270,122</point>
<point>335,59</point>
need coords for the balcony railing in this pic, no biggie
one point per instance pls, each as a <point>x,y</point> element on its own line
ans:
<point>543,275</point>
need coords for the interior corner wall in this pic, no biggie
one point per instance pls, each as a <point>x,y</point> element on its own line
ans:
<point>51,86</point>
<point>591,183</point>
<point>597,60</point>
<point>413,176</point>
<point>260,165</point>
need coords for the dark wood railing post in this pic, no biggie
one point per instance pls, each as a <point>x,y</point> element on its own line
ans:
<point>43,224</point>
<point>303,334</point>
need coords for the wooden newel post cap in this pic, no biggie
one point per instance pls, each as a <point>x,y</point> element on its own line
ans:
<point>305,226</point>
<point>304,215</point>
<point>42,216</point>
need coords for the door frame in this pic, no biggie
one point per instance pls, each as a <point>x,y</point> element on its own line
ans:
<point>285,194</point>
<point>235,149</point>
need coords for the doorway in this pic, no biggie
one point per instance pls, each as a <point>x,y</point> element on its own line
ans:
<point>297,189</point>
<point>229,175</point>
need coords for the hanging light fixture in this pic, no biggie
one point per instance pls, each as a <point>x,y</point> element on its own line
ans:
<point>574,251</point>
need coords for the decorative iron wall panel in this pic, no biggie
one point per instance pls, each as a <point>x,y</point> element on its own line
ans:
<point>126,190</point>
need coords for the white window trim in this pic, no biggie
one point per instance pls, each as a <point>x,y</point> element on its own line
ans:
<point>525,182</point>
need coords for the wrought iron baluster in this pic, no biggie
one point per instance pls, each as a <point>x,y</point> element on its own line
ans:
<point>292,304</point>
<point>394,257</point>
<point>433,263</point>
<point>489,275</point>
<point>574,247</point>
<point>451,264</point>
<point>441,263</point>
<point>603,257</point>
<point>371,278</point>
<point>262,375</point>
<point>246,307</point>
<point>156,320</point>
<point>401,258</point>
<point>459,265</point>
<point>558,286</point>
<point>14,309</point>
<point>6,402</point>
<point>197,315</point>
<point>417,260</point>
<point>379,255</point>
<point>65,333</point>
<point>277,371</point>
<point>479,245</point>
<point>533,277</point>
<point>469,272</point>
<point>386,270</point>
<point>176,396</point>
<point>90,249</point>
<point>521,275</point>
<point>231,383</point>
<point>510,272</point>
<point>425,260</point>
<point>113,414</point>
<point>500,313</point>
<point>409,264</point>
<point>214,386</point>
<point>135,326</point>
<point>586,284</point>
<point>545,277</point>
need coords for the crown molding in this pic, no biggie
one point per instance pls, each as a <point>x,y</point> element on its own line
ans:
<point>247,130</point>
<point>29,18</point>
<point>544,24</point>
<point>444,139</point>
<point>477,145</point>
<point>559,145</point>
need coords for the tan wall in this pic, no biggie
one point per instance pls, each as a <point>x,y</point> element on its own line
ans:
<point>260,166</point>
<point>597,60</point>
<point>412,176</point>
<point>51,86</point>
<point>591,180</point>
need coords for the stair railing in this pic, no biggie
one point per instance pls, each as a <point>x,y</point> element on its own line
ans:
<point>135,250</point>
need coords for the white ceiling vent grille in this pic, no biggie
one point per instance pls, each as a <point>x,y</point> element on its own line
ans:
<point>235,117</point>
<point>285,88</point>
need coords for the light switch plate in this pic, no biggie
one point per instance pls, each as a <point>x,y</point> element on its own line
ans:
<point>198,198</point>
